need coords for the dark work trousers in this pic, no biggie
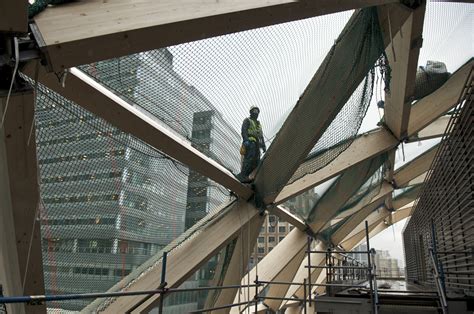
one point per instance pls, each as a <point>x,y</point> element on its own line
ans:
<point>251,158</point>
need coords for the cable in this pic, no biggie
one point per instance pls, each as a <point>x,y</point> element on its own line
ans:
<point>35,95</point>
<point>17,61</point>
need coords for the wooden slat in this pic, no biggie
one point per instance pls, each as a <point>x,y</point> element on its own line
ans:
<point>87,31</point>
<point>131,119</point>
<point>364,147</point>
<point>402,54</point>
<point>189,256</point>
<point>20,243</point>
<point>14,16</point>
<point>429,108</point>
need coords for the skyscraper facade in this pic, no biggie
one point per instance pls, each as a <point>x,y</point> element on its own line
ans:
<point>109,201</point>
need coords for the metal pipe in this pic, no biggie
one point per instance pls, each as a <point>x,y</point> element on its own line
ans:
<point>369,264</point>
<point>64,297</point>
<point>163,281</point>
<point>281,283</point>
<point>309,270</point>
<point>304,296</point>
<point>338,267</point>
<point>256,293</point>
<point>220,307</point>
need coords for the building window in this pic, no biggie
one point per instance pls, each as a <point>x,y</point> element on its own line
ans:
<point>261,240</point>
<point>271,218</point>
<point>280,239</point>
<point>270,248</point>
<point>271,239</point>
<point>271,229</point>
<point>282,229</point>
<point>261,250</point>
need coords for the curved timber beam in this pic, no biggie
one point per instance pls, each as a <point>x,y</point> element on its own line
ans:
<point>365,146</point>
<point>88,31</point>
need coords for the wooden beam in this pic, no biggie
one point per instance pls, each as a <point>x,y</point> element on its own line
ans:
<point>385,190</point>
<point>288,252</point>
<point>285,215</point>
<point>94,97</point>
<point>14,16</point>
<point>287,275</point>
<point>186,258</point>
<point>364,147</point>
<point>416,167</point>
<point>21,267</point>
<point>434,130</point>
<point>401,214</point>
<point>307,121</point>
<point>237,266</point>
<point>340,192</point>
<point>354,221</point>
<point>431,107</point>
<point>355,238</point>
<point>87,31</point>
<point>316,259</point>
<point>418,180</point>
<point>406,197</point>
<point>372,217</point>
<point>402,54</point>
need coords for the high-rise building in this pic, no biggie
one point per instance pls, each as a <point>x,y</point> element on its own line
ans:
<point>109,202</point>
<point>274,231</point>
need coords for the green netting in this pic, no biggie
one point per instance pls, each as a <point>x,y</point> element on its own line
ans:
<point>233,72</point>
<point>332,107</point>
<point>109,202</point>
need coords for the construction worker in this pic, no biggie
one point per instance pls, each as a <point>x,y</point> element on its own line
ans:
<point>252,137</point>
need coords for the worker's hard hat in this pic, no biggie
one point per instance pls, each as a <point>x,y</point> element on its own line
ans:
<point>254,107</point>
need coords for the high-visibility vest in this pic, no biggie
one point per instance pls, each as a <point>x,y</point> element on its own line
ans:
<point>254,131</point>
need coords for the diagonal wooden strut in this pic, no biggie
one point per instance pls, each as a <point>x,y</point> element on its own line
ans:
<point>402,54</point>
<point>99,100</point>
